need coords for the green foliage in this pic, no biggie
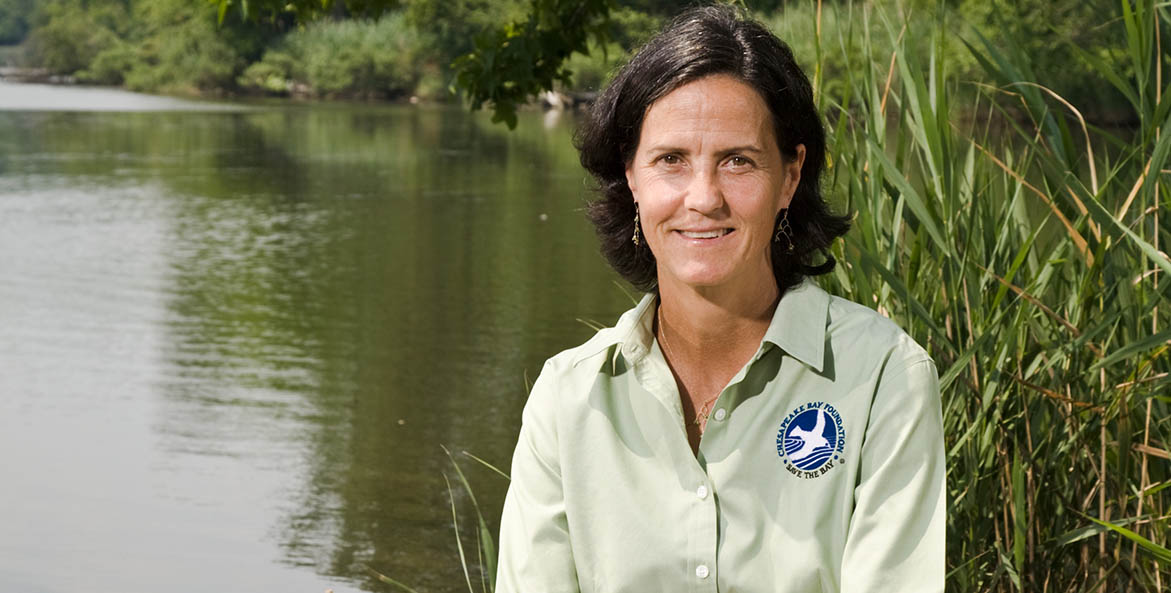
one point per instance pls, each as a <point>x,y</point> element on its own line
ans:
<point>14,20</point>
<point>155,45</point>
<point>630,28</point>
<point>69,34</point>
<point>273,75</point>
<point>449,27</point>
<point>1047,34</point>
<point>503,53</point>
<point>1030,267</point>
<point>180,49</point>
<point>300,10</point>
<point>111,64</point>
<point>590,72</point>
<point>353,58</point>
<point>514,63</point>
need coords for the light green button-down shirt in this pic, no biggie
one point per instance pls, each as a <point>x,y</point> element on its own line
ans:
<point>821,468</point>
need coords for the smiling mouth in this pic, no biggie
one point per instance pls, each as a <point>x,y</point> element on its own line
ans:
<point>713,234</point>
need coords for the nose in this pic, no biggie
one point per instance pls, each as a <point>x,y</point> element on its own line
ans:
<point>704,194</point>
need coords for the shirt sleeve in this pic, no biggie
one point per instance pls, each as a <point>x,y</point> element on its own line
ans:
<point>535,552</point>
<point>895,542</point>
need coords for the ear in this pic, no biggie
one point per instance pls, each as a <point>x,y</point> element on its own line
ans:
<point>792,173</point>
<point>631,184</point>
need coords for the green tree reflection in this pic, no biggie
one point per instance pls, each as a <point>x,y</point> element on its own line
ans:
<point>370,284</point>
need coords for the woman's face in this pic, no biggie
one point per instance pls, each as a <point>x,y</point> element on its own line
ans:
<point>709,181</point>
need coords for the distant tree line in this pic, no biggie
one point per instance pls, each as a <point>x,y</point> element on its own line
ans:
<point>497,53</point>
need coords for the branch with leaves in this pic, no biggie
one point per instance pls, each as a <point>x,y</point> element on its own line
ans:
<point>514,63</point>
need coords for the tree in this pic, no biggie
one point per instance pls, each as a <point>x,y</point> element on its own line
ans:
<point>14,20</point>
<point>509,64</point>
<point>513,63</point>
<point>302,9</point>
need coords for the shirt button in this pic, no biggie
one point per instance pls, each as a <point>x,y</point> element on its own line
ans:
<point>701,571</point>
<point>721,414</point>
<point>701,492</point>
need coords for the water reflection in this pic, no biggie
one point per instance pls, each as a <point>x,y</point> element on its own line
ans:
<point>338,292</point>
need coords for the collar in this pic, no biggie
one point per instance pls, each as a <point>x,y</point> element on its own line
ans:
<point>798,325</point>
<point>798,328</point>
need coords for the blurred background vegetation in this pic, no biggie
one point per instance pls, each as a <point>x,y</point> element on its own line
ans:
<point>396,49</point>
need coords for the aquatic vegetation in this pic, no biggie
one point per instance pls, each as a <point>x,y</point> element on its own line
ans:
<point>1026,249</point>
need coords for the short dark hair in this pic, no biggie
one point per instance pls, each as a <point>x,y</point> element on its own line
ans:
<point>702,42</point>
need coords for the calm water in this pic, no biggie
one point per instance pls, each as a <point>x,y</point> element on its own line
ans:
<point>233,341</point>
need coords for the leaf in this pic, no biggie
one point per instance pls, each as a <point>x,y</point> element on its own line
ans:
<point>1006,564</point>
<point>914,200</point>
<point>1104,218</point>
<point>916,307</point>
<point>1161,338</point>
<point>1160,553</point>
<point>459,543</point>
<point>1019,524</point>
<point>487,547</point>
<point>1081,533</point>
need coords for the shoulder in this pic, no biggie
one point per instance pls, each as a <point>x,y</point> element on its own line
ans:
<point>861,335</point>
<point>897,374</point>
<point>573,371</point>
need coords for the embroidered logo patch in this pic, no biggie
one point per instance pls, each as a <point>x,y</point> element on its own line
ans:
<point>811,439</point>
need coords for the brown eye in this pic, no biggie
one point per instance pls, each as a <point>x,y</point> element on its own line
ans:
<point>670,159</point>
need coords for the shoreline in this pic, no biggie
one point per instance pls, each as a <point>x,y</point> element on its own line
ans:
<point>33,75</point>
<point>547,101</point>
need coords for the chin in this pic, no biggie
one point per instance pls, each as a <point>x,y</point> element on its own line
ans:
<point>703,277</point>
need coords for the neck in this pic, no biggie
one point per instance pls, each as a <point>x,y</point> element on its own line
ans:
<point>717,320</point>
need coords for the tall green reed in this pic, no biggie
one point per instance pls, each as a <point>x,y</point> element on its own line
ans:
<point>1021,246</point>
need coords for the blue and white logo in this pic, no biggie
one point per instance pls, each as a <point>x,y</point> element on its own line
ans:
<point>811,439</point>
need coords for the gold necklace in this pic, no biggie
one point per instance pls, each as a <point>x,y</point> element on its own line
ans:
<point>705,409</point>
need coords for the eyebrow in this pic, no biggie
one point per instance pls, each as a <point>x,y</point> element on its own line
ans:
<point>663,148</point>
<point>745,148</point>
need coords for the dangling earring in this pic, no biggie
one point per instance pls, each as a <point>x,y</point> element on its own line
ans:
<point>635,237</point>
<point>784,230</point>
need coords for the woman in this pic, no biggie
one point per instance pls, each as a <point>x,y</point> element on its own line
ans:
<point>740,429</point>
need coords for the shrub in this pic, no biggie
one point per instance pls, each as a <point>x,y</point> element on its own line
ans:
<point>181,49</point>
<point>110,65</point>
<point>70,34</point>
<point>271,75</point>
<point>355,58</point>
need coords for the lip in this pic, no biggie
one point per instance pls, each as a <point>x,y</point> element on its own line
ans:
<point>726,231</point>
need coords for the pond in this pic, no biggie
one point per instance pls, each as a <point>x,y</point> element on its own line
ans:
<point>234,339</point>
